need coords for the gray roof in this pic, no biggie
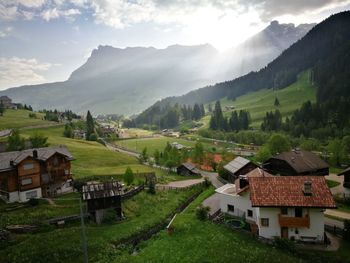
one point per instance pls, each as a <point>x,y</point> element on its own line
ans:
<point>102,190</point>
<point>237,164</point>
<point>43,154</point>
<point>302,161</point>
<point>4,133</point>
<point>347,170</point>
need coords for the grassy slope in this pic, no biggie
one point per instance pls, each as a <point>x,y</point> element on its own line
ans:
<point>92,158</point>
<point>198,241</point>
<point>20,119</point>
<point>152,143</point>
<point>63,245</point>
<point>259,102</point>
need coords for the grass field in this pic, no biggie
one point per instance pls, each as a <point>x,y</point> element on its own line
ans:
<point>259,102</point>
<point>20,118</point>
<point>63,244</point>
<point>198,241</point>
<point>92,158</point>
<point>152,144</point>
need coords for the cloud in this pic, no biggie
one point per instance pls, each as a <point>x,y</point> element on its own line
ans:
<point>54,13</point>
<point>6,32</point>
<point>20,71</point>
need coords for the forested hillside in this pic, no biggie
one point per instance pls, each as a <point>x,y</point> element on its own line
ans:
<point>324,50</point>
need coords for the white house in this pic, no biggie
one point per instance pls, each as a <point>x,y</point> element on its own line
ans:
<point>279,206</point>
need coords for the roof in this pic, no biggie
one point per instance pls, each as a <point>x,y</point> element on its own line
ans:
<point>191,167</point>
<point>101,190</point>
<point>347,170</point>
<point>302,161</point>
<point>237,164</point>
<point>258,172</point>
<point>43,154</point>
<point>4,133</point>
<point>287,191</point>
<point>4,98</point>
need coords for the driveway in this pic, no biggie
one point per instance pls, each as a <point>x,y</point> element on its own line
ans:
<point>213,177</point>
<point>181,184</point>
<point>338,190</point>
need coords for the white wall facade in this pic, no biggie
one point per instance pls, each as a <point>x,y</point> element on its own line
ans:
<point>242,203</point>
<point>32,193</point>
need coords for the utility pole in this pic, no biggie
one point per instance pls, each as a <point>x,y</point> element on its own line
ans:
<point>83,234</point>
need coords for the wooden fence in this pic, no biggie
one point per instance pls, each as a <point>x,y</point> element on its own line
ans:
<point>133,192</point>
<point>176,188</point>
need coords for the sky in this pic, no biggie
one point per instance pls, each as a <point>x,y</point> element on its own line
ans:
<point>46,40</point>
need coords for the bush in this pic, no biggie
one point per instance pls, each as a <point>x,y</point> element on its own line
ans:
<point>33,202</point>
<point>284,244</point>
<point>93,137</point>
<point>202,212</point>
<point>128,176</point>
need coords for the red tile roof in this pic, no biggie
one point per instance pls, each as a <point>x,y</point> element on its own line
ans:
<point>287,191</point>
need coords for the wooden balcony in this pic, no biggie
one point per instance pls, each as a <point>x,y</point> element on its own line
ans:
<point>289,221</point>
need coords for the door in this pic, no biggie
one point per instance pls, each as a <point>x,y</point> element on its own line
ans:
<point>284,232</point>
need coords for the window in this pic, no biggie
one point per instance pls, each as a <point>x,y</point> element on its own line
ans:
<point>31,194</point>
<point>284,211</point>
<point>230,208</point>
<point>26,181</point>
<point>28,166</point>
<point>264,222</point>
<point>250,213</point>
<point>55,161</point>
<point>298,212</point>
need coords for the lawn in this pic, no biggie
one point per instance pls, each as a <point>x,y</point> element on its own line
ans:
<point>32,214</point>
<point>332,183</point>
<point>198,241</point>
<point>259,102</point>
<point>20,118</point>
<point>152,144</point>
<point>63,244</point>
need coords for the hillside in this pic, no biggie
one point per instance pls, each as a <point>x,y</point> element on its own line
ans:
<point>325,43</point>
<point>116,80</point>
<point>259,102</point>
<point>20,119</point>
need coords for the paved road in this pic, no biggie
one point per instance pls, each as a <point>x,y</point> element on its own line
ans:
<point>213,177</point>
<point>182,184</point>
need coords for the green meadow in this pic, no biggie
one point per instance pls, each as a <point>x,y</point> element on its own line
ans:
<point>20,118</point>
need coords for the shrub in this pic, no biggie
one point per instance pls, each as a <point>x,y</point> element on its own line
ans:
<point>284,244</point>
<point>93,137</point>
<point>202,212</point>
<point>33,202</point>
<point>128,176</point>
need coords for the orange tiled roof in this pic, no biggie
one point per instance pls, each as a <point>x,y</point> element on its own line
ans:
<point>287,191</point>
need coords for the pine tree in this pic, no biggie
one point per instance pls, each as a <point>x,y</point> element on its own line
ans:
<point>277,102</point>
<point>2,109</point>
<point>90,126</point>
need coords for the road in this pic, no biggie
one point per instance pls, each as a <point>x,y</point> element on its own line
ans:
<point>117,149</point>
<point>213,177</point>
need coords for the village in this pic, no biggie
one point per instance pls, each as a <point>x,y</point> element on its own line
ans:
<point>115,191</point>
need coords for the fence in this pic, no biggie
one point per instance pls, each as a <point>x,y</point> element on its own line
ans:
<point>334,230</point>
<point>133,192</point>
<point>168,187</point>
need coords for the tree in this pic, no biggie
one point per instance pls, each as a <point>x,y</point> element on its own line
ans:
<point>144,155</point>
<point>210,108</point>
<point>263,154</point>
<point>90,126</point>
<point>198,153</point>
<point>128,176</point>
<point>277,102</point>
<point>197,114</point>
<point>2,109</point>
<point>156,156</point>
<point>335,148</point>
<point>38,140</point>
<point>15,142</point>
<point>278,143</point>
<point>217,118</point>
<point>68,131</point>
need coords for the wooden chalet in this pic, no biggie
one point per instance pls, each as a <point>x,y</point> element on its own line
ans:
<point>187,169</point>
<point>35,173</point>
<point>102,196</point>
<point>238,166</point>
<point>296,162</point>
<point>346,174</point>
<point>6,102</point>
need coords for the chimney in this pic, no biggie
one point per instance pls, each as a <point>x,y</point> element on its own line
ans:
<point>242,181</point>
<point>307,188</point>
<point>35,154</point>
<point>12,163</point>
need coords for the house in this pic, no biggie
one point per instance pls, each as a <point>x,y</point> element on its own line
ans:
<point>238,166</point>
<point>187,169</point>
<point>177,145</point>
<point>5,133</point>
<point>35,173</point>
<point>296,162</point>
<point>346,182</point>
<point>79,134</point>
<point>6,102</point>
<point>279,206</point>
<point>102,196</point>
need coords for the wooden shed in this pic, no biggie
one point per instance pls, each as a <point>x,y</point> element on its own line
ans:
<point>188,169</point>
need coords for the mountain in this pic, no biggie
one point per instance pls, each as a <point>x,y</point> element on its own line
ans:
<point>126,81</point>
<point>324,50</point>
